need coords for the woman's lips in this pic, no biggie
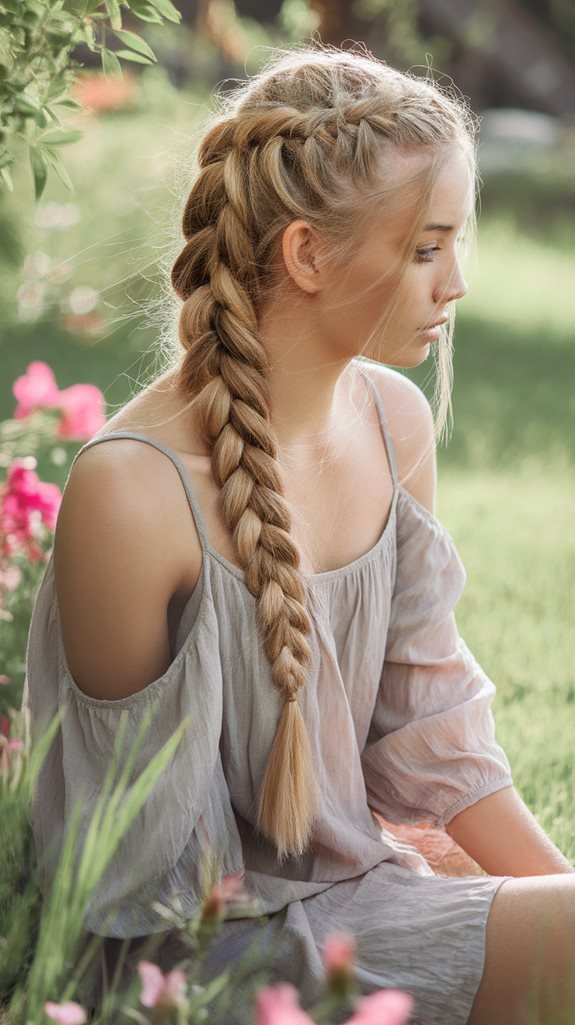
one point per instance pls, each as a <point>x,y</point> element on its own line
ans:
<point>433,332</point>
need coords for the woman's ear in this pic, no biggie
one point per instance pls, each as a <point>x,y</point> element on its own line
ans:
<point>301,254</point>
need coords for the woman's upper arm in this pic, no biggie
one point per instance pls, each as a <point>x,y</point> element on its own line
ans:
<point>116,567</point>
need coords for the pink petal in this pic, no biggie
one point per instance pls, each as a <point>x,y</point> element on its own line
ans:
<point>36,388</point>
<point>339,951</point>
<point>175,987</point>
<point>83,411</point>
<point>231,885</point>
<point>386,1007</point>
<point>152,983</point>
<point>10,577</point>
<point>48,501</point>
<point>68,1013</point>
<point>279,1005</point>
<point>26,493</point>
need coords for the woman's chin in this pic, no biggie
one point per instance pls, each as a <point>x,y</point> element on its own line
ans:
<point>411,356</point>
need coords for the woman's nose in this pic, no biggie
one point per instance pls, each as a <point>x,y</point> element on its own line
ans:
<point>454,288</point>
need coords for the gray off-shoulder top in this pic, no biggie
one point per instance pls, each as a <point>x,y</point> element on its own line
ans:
<point>397,709</point>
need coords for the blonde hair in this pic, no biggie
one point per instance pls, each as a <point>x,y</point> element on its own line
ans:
<point>303,138</point>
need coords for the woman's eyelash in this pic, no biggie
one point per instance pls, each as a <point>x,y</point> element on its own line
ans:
<point>425,254</point>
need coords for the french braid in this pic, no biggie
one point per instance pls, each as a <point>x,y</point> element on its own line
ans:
<point>304,138</point>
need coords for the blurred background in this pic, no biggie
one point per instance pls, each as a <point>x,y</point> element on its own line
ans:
<point>82,272</point>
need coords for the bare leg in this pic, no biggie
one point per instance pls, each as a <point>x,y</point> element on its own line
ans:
<point>529,974</point>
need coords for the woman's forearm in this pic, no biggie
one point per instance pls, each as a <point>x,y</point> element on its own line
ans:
<point>500,834</point>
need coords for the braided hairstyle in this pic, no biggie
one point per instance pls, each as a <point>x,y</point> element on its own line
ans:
<point>304,138</point>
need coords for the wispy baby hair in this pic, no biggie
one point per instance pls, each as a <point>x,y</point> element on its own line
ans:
<point>303,138</point>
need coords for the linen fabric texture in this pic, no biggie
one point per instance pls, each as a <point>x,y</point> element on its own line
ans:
<point>399,717</point>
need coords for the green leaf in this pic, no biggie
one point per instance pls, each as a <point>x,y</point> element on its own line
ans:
<point>144,11</point>
<point>167,10</point>
<point>113,9</point>
<point>27,105</point>
<point>53,116</point>
<point>86,34</point>
<point>68,103</point>
<point>129,55</point>
<point>136,43</point>
<point>57,87</point>
<point>39,170</point>
<point>55,162</point>
<point>111,65</point>
<point>60,138</point>
<point>209,992</point>
<point>63,17</point>
<point>7,178</point>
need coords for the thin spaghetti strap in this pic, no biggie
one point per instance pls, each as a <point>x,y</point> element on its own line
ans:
<point>387,440</point>
<point>193,502</point>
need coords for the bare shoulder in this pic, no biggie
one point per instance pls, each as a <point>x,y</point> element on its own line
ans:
<point>117,565</point>
<point>410,422</point>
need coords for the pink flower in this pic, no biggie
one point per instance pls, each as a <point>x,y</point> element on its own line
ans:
<point>387,1007</point>
<point>279,1005</point>
<point>26,501</point>
<point>82,405</point>
<point>82,408</point>
<point>339,952</point>
<point>159,990</point>
<point>229,890</point>
<point>10,577</point>
<point>11,754</point>
<point>65,1014</point>
<point>36,389</point>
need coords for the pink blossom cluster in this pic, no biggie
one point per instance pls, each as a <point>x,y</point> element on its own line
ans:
<point>160,991</point>
<point>81,405</point>
<point>279,1005</point>
<point>26,503</point>
<point>166,994</point>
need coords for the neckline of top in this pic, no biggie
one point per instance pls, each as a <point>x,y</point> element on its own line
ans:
<point>327,574</point>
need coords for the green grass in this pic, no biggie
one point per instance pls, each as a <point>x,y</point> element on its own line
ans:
<point>514,533</point>
<point>507,495</point>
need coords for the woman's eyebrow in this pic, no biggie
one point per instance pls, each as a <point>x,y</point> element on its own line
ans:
<point>438,227</point>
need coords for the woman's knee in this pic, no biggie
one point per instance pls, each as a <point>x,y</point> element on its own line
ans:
<point>529,971</point>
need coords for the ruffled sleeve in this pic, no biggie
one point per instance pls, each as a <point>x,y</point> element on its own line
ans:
<point>431,750</point>
<point>186,823</point>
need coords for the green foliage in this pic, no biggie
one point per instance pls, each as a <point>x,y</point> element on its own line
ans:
<point>39,942</point>
<point>37,70</point>
<point>19,891</point>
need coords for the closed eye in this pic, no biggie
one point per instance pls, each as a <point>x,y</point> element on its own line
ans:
<point>425,253</point>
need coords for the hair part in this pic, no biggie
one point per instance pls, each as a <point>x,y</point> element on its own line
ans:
<point>307,137</point>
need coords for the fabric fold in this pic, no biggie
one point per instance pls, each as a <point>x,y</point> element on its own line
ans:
<point>431,749</point>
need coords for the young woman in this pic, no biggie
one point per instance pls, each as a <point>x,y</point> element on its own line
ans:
<point>251,542</point>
